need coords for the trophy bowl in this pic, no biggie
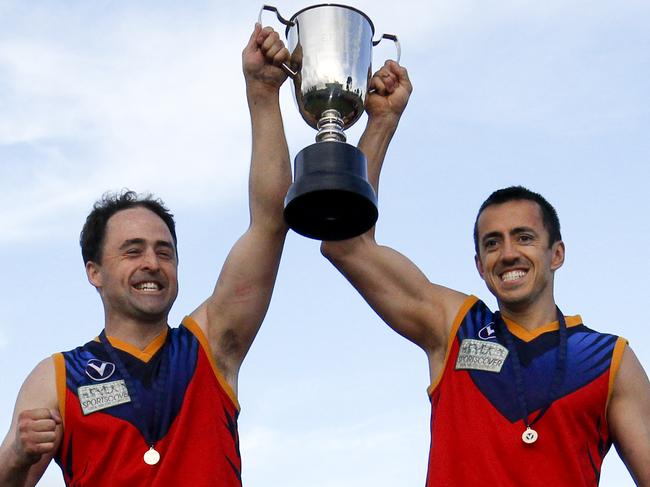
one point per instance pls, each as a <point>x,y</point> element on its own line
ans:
<point>330,64</point>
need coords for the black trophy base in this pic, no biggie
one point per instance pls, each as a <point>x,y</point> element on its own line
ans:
<point>331,198</point>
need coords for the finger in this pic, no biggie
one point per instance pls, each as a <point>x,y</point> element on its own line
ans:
<point>377,85</point>
<point>277,54</point>
<point>263,36</point>
<point>390,81</point>
<point>271,41</point>
<point>56,416</point>
<point>400,73</point>
<point>387,79</point>
<point>40,448</point>
<point>252,42</point>
<point>272,51</point>
<point>282,56</point>
<point>35,437</point>
<point>35,414</point>
<point>42,425</point>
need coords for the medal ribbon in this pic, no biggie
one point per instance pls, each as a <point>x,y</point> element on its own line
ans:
<point>159,385</point>
<point>558,377</point>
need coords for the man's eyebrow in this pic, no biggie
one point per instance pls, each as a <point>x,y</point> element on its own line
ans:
<point>142,241</point>
<point>165,243</point>
<point>491,235</point>
<point>131,241</point>
<point>518,230</point>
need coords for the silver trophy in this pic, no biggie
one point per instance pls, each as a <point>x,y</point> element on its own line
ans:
<point>331,65</point>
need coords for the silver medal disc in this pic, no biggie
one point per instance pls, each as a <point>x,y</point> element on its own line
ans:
<point>151,456</point>
<point>529,436</point>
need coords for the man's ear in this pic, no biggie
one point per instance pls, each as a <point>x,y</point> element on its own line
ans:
<point>558,251</point>
<point>479,265</point>
<point>93,272</point>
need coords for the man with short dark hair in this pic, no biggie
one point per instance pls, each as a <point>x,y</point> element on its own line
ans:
<point>524,396</point>
<point>143,403</point>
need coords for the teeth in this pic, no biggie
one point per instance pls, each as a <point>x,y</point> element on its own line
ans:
<point>147,286</point>
<point>512,275</point>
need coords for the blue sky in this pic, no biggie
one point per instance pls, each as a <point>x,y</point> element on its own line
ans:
<point>101,95</point>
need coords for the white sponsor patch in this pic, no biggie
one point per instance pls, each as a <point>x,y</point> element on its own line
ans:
<point>480,355</point>
<point>95,397</point>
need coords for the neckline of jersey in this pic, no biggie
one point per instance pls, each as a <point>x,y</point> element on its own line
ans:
<point>144,355</point>
<point>527,336</point>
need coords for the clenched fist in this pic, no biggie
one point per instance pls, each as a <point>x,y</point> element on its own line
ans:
<point>37,433</point>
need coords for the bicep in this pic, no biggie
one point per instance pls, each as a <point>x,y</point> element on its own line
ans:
<point>628,416</point>
<point>38,391</point>
<point>397,290</point>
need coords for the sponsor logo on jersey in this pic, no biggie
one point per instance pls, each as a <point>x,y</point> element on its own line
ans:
<point>487,332</point>
<point>95,397</point>
<point>481,355</point>
<point>99,370</point>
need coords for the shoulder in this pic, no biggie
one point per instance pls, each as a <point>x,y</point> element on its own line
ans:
<point>44,372</point>
<point>39,388</point>
<point>629,374</point>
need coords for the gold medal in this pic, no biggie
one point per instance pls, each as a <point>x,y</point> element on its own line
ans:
<point>151,456</point>
<point>529,436</point>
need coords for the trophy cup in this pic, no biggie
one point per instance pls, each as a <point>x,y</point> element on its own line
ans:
<point>330,65</point>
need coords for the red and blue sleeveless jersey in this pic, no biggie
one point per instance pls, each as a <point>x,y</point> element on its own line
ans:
<point>191,417</point>
<point>476,416</point>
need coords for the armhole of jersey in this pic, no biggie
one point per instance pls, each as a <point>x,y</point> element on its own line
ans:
<point>462,311</point>
<point>617,357</point>
<point>194,327</point>
<point>59,374</point>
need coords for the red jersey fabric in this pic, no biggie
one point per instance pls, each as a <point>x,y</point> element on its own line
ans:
<point>195,415</point>
<point>476,418</point>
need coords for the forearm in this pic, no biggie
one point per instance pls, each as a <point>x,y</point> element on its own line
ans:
<point>12,473</point>
<point>374,144</point>
<point>270,173</point>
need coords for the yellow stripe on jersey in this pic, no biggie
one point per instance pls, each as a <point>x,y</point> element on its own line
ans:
<point>194,327</point>
<point>460,316</point>
<point>59,374</point>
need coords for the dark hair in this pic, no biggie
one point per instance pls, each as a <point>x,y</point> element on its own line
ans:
<point>94,230</point>
<point>513,193</point>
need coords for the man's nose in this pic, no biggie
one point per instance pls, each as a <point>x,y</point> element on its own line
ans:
<point>509,250</point>
<point>150,260</point>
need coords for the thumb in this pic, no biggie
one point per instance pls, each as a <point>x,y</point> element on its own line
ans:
<point>252,42</point>
<point>56,416</point>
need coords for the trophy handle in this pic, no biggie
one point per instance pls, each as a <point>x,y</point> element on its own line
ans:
<point>393,38</point>
<point>287,69</point>
<point>273,9</point>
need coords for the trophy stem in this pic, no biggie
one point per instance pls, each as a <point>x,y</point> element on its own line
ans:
<point>330,127</point>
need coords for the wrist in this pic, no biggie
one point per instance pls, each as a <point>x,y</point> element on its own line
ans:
<point>260,94</point>
<point>13,466</point>
<point>385,122</point>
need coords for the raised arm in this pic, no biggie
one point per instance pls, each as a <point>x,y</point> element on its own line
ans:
<point>35,430</point>
<point>232,315</point>
<point>393,286</point>
<point>628,416</point>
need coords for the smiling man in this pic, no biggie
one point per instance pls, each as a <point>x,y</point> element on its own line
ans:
<point>524,396</point>
<point>144,404</point>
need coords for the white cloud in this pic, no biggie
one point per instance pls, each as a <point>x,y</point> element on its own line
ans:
<point>143,103</point>
<point>105,96</point>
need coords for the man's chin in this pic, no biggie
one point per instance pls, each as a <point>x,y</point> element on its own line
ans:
<point>512,302</point>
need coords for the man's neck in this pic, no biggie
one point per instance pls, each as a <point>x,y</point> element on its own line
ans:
<point>135,333</point>
<point>530,317</point>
